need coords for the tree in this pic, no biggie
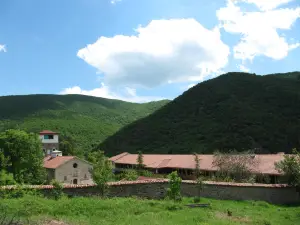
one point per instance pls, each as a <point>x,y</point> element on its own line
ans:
<point>102,170</point>
<point>290,167</point>
<point>24,155</point>
<point>67,146</point>
<point>197,166</point>
<point>199,179</point>
<point>140,161</point>
<point>236,166</point>
<point>173,191</point>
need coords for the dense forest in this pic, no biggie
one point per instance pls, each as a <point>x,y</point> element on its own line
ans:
<point>238,111</point>
<point>83,119</point>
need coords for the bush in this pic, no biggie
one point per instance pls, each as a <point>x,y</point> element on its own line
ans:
<point>146,173</point>
<point>290,166</point>
<point>6,178</point>
<point>57,191</point>
<point>102,171</point>
<point>129,175</point>
<point>17,192</point>
<point>173,191</point>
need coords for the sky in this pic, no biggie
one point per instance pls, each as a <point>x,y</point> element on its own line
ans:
<point>141,50</point>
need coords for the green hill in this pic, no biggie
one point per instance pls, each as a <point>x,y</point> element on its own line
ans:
<point>87,120</point>
<point>234,111</point>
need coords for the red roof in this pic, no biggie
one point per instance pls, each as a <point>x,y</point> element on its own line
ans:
<point>53,163</point>
<point>48,132</point>
<point>265,163</point>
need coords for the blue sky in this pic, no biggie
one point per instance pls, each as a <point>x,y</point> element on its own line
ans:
<point>141,50</point>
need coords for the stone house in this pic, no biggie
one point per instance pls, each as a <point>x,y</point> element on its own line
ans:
<point>65,169</point>
<point>68,169</point>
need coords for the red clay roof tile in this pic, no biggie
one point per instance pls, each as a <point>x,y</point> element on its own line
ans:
<point>266,162</point>
<point>53,163</point>
<point>48,132</point>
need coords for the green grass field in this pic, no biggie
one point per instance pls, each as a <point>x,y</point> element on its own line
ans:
<point>131,211</point>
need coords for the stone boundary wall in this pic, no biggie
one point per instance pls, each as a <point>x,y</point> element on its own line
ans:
<point>156,189</point>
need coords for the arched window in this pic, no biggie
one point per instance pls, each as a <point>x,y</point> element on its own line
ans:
<point>75,181</point>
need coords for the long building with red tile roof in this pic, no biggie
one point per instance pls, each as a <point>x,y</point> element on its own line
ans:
<point>161,163</point>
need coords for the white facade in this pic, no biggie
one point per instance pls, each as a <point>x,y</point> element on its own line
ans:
<point>49,138</point>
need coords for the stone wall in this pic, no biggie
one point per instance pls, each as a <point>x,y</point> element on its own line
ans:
<point>156,189</point>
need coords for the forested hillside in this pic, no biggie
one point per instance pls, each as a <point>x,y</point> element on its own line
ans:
<point>234,111</point>
<point>83,119</point>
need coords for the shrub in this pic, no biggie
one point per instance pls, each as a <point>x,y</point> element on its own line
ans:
<point>102,171</point>
<point>290,166</point>
<point>146,173</point>
<point>6,178</point>
<point>173,191</point>
<point>57,191</point>
<point>130,175</point>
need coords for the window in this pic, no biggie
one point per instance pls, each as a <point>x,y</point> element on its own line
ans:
<point>75,165</point>
<point>65,178</point>
<point>75,181</point>
<point>48,136</point>
<point>85,176</point>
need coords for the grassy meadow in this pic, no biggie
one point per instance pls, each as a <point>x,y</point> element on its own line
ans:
<point>132,211</point>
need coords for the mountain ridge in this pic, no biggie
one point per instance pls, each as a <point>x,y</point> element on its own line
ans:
<point>233,111</point>
<point>87,120</point>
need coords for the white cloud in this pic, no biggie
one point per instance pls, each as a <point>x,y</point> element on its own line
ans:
<point>191,85</point>
<point>259,29</point>
<point>164,51</point>
<point>243,68</point>
<point>265,5</point>
<point>2,48</point>
<point>114,1</point>
<point>129,94</point>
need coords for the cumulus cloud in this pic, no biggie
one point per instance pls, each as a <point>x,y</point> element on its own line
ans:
<point>265,5</point>
<point>243,68</point>
<point>128,94</point>
<point>259,30</point>
<point>164,51</point>
<point>2,48</point>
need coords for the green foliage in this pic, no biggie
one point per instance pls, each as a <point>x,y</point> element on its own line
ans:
<point>147,173</point>
<point>233,111</point>
<point>87,120</point>
<point>23,155</point>
<point>18,192</point>
<point>199,179</point>
<point>197,166</point>
<point>57,190</point>
<point>67,146</point>
<point>129,174</point>
<point>9,219</point>
<point>133,211</point>
<point>290,166</point>
<point>102,171</point>
<point>173,191</point>
<point>140,161</point>
<point>6,178</point>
